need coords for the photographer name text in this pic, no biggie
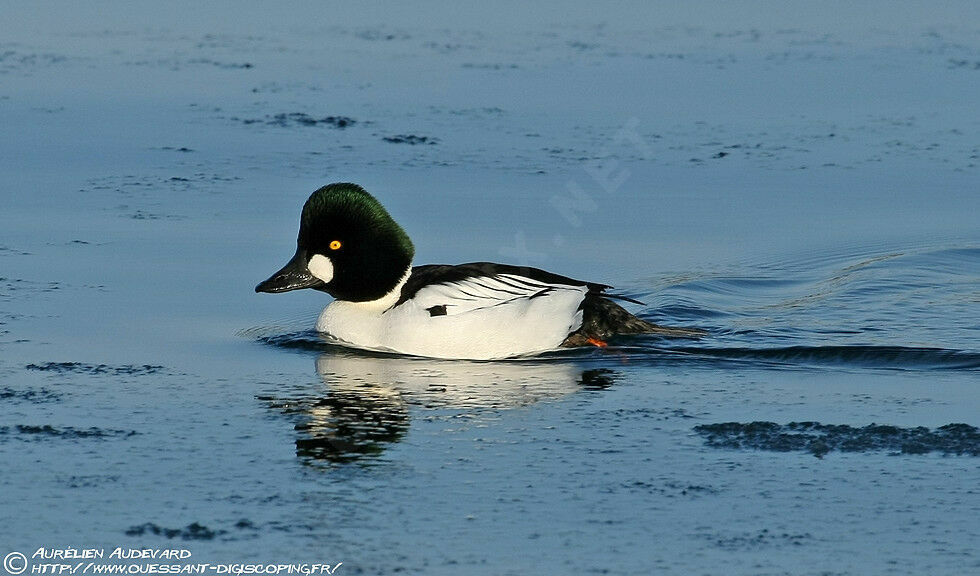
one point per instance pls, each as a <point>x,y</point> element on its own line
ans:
<point>134,561</point>
<point>119,553</point>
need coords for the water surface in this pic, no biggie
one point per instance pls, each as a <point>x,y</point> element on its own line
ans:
<point>801,185</point>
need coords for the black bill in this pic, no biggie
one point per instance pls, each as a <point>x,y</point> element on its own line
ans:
<point>293,276</point>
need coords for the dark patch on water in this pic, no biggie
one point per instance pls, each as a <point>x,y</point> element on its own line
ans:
<point>279,87</point>
<point>581,46</point>
<point>194,531</point>
<point>7,251</point>
<point>38,396</point>
<point>379,35</point>
<point>141,215</point>
<point>89,481</point>
<point>669,489</point>
<point>446,47</point>
<point>96,369</point>
<point>9,285</point>
<point>754,540</point>
<point>146,186</point>
<point>288,119</point>
<point>816,145</point>
<point>181,149</point>
<point>624,415</point>
<point>225,65</point>
<point>175,64</point>
<point>963,64</point>
<point>67,432</point>
<point>489,66</point>
<point>691,489</point>
<point>820,439</point>
<point>245,524</point>
<point>481,112</point>
<point>410,139</point>
<point>17,61</point>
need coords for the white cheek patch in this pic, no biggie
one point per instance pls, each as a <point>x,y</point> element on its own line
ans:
<point>321,267</point>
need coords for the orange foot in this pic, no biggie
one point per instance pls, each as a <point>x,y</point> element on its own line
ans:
<point>597,343</point>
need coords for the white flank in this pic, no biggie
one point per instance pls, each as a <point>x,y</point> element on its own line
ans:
<point>486,318</point>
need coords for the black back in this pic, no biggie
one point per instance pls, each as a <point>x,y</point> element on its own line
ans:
<point>428,274</point>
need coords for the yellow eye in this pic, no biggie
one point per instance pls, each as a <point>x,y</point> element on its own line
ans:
<point>335,245</point>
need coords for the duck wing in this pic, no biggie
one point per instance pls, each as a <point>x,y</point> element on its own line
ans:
<point>452,290</point>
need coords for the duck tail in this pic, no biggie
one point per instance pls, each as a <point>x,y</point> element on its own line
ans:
<point>602,318</point>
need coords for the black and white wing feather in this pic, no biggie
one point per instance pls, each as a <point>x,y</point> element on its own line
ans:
<point>454,290</point>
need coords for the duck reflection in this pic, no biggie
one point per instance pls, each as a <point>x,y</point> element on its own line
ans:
<point>369,400</point>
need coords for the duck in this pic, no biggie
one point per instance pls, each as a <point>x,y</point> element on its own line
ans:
<point>350,247</point>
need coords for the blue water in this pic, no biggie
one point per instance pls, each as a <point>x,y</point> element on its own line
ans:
<point>801,182</point>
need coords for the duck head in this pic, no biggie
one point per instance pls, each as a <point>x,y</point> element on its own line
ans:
<point>348,246</point>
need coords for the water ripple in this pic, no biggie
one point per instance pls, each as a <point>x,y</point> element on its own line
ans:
<point>888,357</point>
<point>909,309</point>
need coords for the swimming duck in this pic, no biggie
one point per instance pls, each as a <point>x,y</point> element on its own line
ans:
<point>351,248</point>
